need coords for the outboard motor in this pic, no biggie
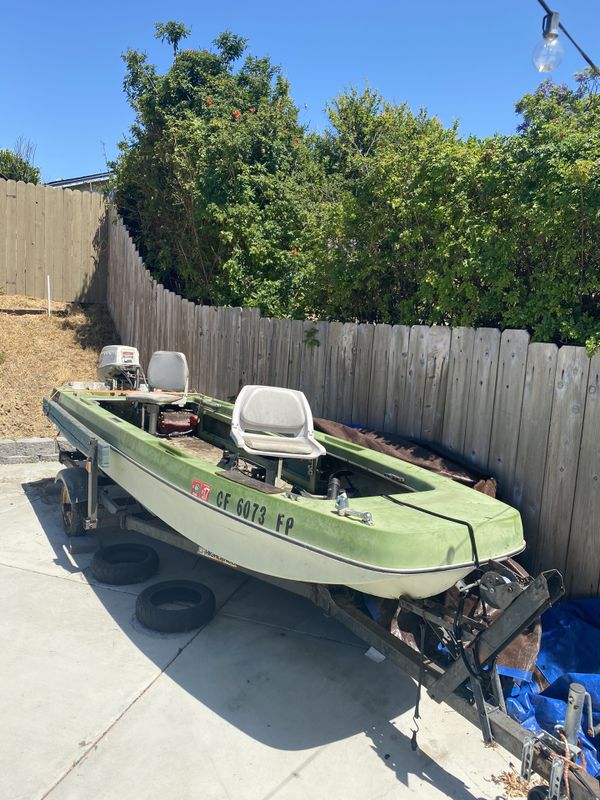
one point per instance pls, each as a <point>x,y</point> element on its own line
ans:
<point>119,367</point>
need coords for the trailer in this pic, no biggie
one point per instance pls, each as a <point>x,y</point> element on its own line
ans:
<point>466,677</point>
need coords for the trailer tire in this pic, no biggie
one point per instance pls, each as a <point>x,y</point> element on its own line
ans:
<point>73,514</point>
<point>125,563</point>
<point>175,606</point>
<point>538,793</point>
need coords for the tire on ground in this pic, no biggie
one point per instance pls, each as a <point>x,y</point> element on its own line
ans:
<point>175,606</point>
<point>121,564</point>
<point>73,514</point>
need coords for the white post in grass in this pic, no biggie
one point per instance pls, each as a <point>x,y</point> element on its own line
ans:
<point>49,312</point>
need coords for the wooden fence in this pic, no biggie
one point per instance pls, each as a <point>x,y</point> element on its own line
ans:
<point>528,413</point>
<point>57,232</point>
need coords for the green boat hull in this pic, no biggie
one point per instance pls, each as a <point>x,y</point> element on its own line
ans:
<point>427,530</point>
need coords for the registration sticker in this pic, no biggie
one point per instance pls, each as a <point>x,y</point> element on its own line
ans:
<point>201,491</point>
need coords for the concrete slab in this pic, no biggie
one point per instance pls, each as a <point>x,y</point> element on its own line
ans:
<point>270,700</point>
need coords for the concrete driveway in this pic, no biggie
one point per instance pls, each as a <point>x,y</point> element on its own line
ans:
<point>270,700</point>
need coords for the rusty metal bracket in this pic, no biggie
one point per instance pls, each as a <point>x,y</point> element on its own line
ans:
<point>545,590</point>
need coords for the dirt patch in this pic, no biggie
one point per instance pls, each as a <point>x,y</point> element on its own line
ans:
<point>38,352</point>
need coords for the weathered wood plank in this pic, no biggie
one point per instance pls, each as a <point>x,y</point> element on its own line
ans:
<point>459,383</point>
<point>481,396</point>
<point>11,239</point>
<point>436,383</point>
<point>263,358</point>
<point>84,234</point>
<point>29,239</point>
<point>395,414</point>
<point>362,374</point>
<point>508,400</point>
<point>582,573</point>
<point>339,377</point>
<point>233,332</point>
<point>414,387</point>
<point>314,364</point>
<point>528,479</point>
<point>21,240</point>
<point>295,353</point>
<point>39,276</point>
<point>280,350</point>
<point>3,235</point>
<point>380,355</point>
<point>72,279</point>
<point>249,346</point>
<point>570,389</point>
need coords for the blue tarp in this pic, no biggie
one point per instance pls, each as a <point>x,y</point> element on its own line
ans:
<point>569,652</point>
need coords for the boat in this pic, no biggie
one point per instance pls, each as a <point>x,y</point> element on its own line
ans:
<point>254,485</point>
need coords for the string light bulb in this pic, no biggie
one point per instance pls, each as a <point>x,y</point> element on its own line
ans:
<point>549,52</point>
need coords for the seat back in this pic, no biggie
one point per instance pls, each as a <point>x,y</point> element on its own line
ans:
<point>283,414</point>
<point>168,371</point>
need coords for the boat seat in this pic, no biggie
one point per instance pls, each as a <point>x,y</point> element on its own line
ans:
<point>274,422</point>
<point>168,377</point>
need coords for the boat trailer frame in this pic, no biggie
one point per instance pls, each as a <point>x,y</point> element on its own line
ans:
<point>108,505</point>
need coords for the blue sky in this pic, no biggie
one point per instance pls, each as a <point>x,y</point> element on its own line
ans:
<point>61,72</point>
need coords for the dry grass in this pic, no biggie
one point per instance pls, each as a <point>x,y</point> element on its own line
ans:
<point>38,352</point>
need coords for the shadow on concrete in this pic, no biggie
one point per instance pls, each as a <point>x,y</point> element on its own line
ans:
<point>269,663</point>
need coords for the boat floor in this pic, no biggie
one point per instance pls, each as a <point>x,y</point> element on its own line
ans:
<point>198,448</point>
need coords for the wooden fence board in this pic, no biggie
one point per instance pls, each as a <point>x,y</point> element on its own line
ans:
<point>528,480</point>
<point>249,346</point>
<point>508,400</point>
<point>11,237</point>
<point>582,573</point>
<point>314,364</point>
<point>21,266</point>
<point>3,234</point>
<point>436,382</point>
<point>362,367</point>
<point>379,368</point>
<point>481,396</point>
<point>280,351</point>
<point>570,388</point>
<point>264,351</point>
<point>397,367</point>
<point>416,375</point>
<point>29,236</point>
<point>339,378</point>
<point>39,278</point>
<point>295,353</point>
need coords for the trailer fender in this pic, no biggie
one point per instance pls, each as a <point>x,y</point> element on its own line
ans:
<point>75,481</point>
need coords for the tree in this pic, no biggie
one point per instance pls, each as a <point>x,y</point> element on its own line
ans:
<point>171,32</point>
<point>17,164</point>
<point>216,180</point>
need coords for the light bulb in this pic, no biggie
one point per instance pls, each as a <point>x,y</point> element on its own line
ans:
<point>548,54</point>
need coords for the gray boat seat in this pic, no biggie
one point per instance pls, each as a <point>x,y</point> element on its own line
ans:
<point>275,422</point>
<point>168,377</point>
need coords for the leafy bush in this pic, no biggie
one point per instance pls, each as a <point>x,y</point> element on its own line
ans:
<point>387,216</point>
<point>17,164</point>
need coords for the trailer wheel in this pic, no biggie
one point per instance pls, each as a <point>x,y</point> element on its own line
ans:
<point>538,793</point>
<point>175,606</point>
<point>73,514</point>
<point>120,564</point>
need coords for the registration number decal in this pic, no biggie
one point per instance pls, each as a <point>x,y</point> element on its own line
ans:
<point>253,512</point>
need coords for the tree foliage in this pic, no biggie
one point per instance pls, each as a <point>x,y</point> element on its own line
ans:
<point>17,164</point>
<point>386,216</point>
